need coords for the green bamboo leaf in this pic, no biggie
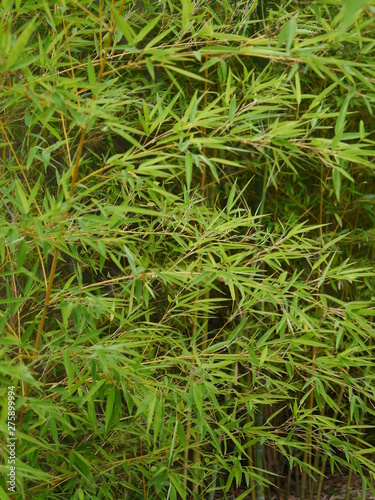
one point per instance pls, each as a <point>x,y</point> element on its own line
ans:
<point>163,113</point>
<point>124,26</point>
<point>350,9</point>
<point>298,88</point>
<point>109,408</point>
<point>187,9</point>
<point>94,389</point>
<point>21,256</point>
<point>143,405</point>
<point>178,484</point>
<point>92,415</point>
<point>150,411</point>
<point>91,72</point>
<point>287,34</point>
<point>340,122</point>
<point>150,68</point>
<point>198,397</point>
<point>156,40</point>
<point>263,356</point>
<point>173,443</point>
<point>35,190</point>
<point>69,368</point>
<point>121,132</point>
<point>191,110</point>
<point>3,494</point>
<point>231,196</point>
<point>146,29</point>
<point>188,169</point>
<point>343,171</point>
<point>53,428</point>
<point>341,119</point>
<point>186,73</point>
<point>232,108</point>
<point>20,43</point>
<point>336,178</point>
<point>158,419</point>
<point>22,198</point>
<point>320,98</point>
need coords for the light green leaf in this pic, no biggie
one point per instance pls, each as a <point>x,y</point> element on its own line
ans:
<point>298,88</point>
<point>350,9</point>
<point>94,389</point>
<point>263,356</point>
<point>20,44</point>
<point>91,71</point>
<point>188,169</point>
<point>287,34</point>
<point>22,197</point>
<point>187,9</point>
<point>341,119</point>
<point>146,29</point>
<point>336,178</point>
<point>124,26</point>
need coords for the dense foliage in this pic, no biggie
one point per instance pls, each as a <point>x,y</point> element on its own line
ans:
<point>187,281</point>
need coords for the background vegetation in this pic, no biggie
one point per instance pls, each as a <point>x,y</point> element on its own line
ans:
<point>187,281</point>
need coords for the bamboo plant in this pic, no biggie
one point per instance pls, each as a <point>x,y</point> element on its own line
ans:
<point>187,275</point>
